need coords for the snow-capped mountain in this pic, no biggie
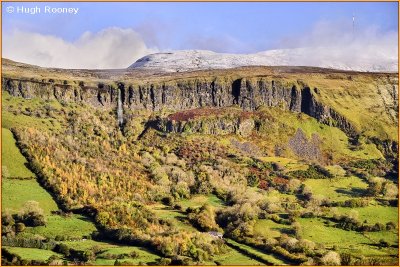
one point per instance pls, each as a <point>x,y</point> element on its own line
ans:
<point>372,60</point>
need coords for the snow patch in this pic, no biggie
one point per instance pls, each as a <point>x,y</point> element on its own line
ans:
<point>324,57</point>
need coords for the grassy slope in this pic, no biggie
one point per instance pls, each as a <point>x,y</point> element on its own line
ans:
<point>342,188</point>
<point>178,218</point>
<point>144,256</point>
<point>268,228</point>
<point>333,140</point>
<point>9,119</point>
<point>374,213</point>
<point>252,251</point>
<point>13,163</point>
<point>359,101</point>
<point>234,257</point>
<point>75,227</point>
<point>346,241</point>
<point>16,192</point>
<point>199,200</point>
<point>32,253</point>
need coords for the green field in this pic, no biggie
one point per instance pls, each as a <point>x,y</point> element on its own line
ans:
<point>74,227</point>
<point>374,213</point>
<point>199,200</point>
<point>268,228</point>
<point>346,241</point>
<point>17,192</point>
<point>32,253</point>
<point>13,163</point>
<point>252,251</point>
<point>144,256</point>
<point>177,217</point>
<point>338,189</point>
<point>89,244</point>
<point>234,257</point>
<point>288,164</point>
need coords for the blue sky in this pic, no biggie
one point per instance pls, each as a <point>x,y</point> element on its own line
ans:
<point>221,27</point>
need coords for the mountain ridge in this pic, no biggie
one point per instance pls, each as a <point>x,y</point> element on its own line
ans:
<point>323,57</point>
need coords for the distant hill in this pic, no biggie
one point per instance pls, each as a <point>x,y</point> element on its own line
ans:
<point>324,57</point>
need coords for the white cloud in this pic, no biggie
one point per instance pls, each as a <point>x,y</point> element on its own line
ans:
<point>108,48</point>
<point>334,43</point>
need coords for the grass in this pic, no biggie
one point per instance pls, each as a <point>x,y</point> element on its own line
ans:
<point>199,200</point>
<point>333,141</point>
<point>13,163</point>
<point>268,228</point>
<point>177,217</point>
<point>89,244</point>
<point>288,164</point>
<point>32,253</point>
<point>74,227</point>
<point>15,193</point>
<point>252,251</point>
<point>337,189</point>
<point>374,213</point>
<point>10,120</point>
<point>346,241</point>
<point>234,257</point>
<point>144,256</point>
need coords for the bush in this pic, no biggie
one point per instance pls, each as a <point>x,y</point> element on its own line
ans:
<point>63,249</point>
<point>331,258</point>
<point>390,226</point>
<point>205,218</point>
<point>20,227</point>
<point>313,172</point>
<point>383,243</point>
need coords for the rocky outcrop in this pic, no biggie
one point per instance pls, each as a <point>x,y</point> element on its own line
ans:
<point>312,107</point>
<point>194,94</point>
<point>304,148</point>
<point>101,96</point>
<point>207,125</point>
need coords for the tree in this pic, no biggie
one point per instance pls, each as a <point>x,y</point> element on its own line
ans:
<point>31,214</point>
<point>102,218</point>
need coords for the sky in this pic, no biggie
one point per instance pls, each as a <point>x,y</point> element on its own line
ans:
<point>114,35</point>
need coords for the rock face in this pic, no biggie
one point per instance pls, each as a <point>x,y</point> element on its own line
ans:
<point>221,125</point>
<point>101,96</point>
<point>195,94</point>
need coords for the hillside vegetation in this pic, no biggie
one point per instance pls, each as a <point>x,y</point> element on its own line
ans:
<point>276,166</point>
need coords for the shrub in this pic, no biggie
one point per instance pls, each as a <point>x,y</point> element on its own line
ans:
<point>383,243</point>
<point>390,226</point>
<point>205,218</point>
<point>313,172</point>
<point>19,227</point>
<point>331,258</point>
